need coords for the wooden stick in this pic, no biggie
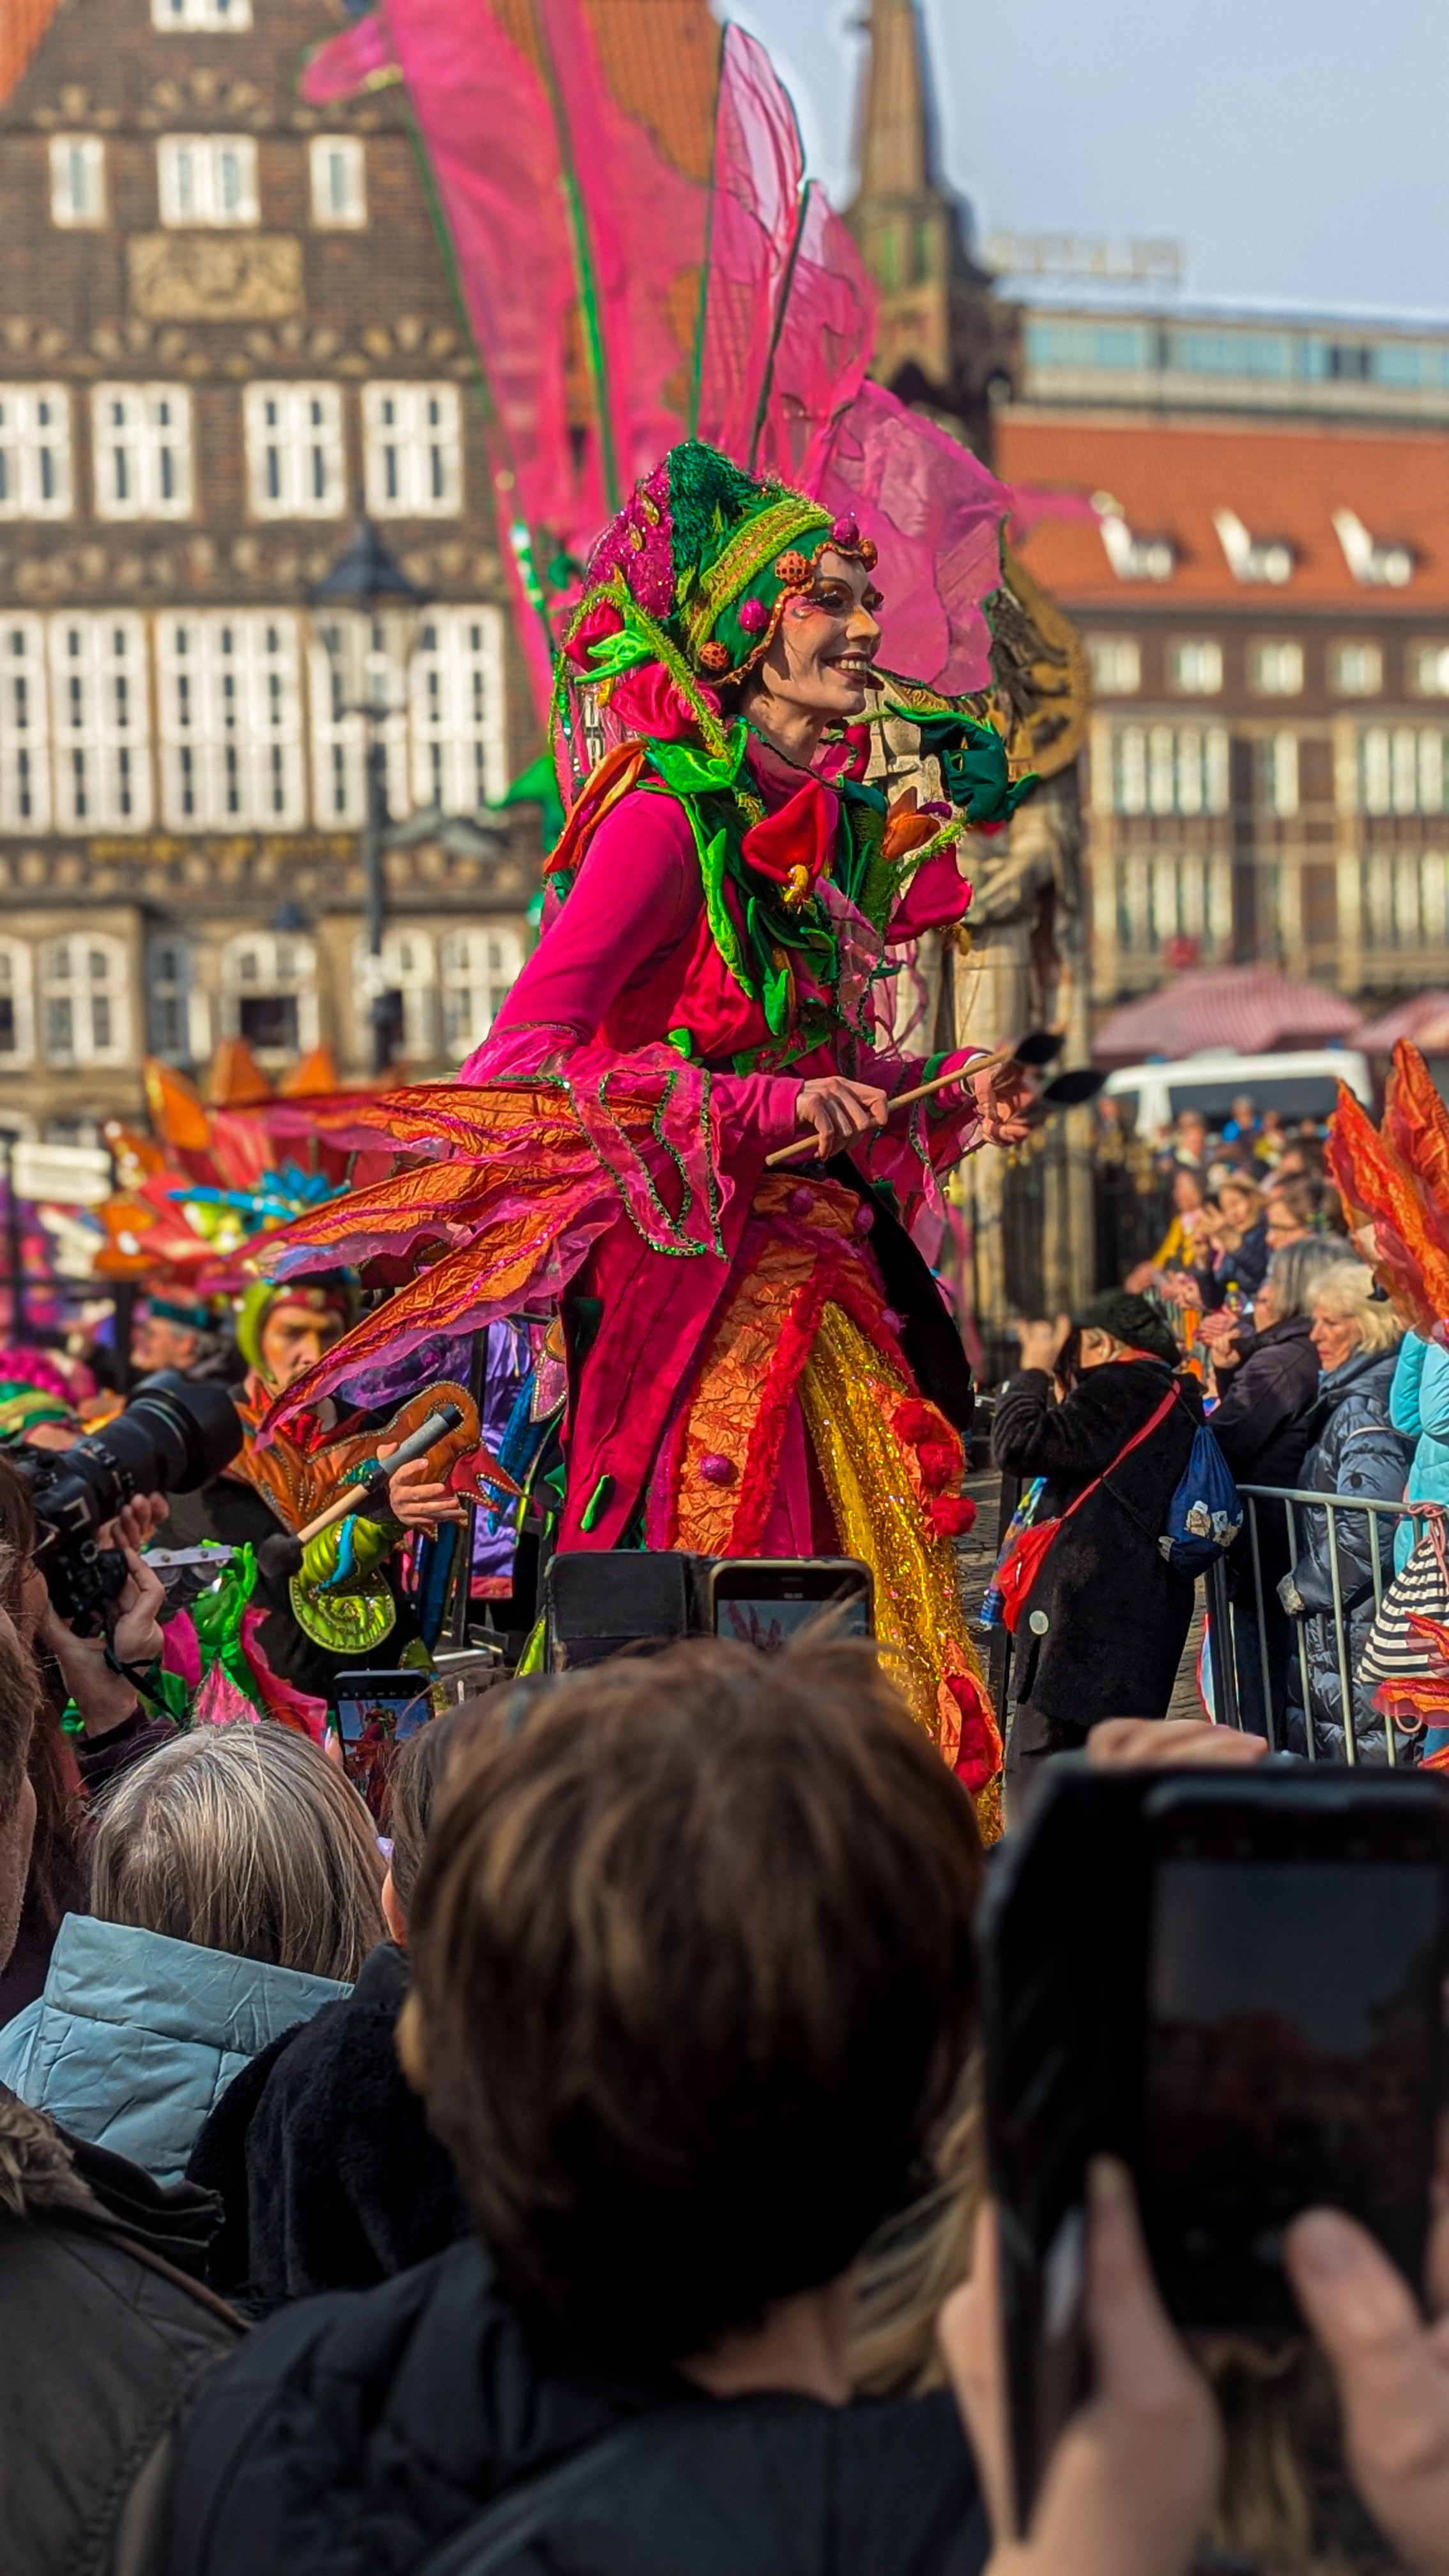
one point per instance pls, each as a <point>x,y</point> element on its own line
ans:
<point>804,1145</point>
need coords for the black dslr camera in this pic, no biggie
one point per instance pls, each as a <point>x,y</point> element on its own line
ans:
<point>173,1436</point>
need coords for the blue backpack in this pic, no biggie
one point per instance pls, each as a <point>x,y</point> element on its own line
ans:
<point>1206,1512</point>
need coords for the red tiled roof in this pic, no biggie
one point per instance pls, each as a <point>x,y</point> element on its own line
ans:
<point>1425,1019</point>
<point>1283,481</point>
<point>1242,1007</point>
<point>22,24</point>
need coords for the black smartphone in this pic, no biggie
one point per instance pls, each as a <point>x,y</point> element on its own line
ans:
<point>374,1712</point>
<point>763,1600</point>
<point>1292,2026</point>
<point>1236,1983</point>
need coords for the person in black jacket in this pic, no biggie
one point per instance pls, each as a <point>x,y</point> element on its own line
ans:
<point>1269,1378</point>
<point>1103,1630</point>
<point>694,1979</point>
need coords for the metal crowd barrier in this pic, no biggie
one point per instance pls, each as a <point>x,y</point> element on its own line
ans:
<point>1227,1693</point>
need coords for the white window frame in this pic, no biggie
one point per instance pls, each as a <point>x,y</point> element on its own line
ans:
<point>1169,769</point>
<point>367,666</point>
<point>143,464</point>
<point>413,448</point>
<point>338,164</point>
<point>1281,677</point>
<point>229,694</point>
<point>17,987</point>
<point>1404,901</point>
<point>78,194</point>
<point>1116,665</point>
<point>477,969</point>
<point>100,722</point>
<point>457,709</point>
<point>1195,663</point>
<point>1339,659</point>
<point>170,986</point>
<point>202,17</point>
<point>1429,670</point>
<point>35,452</point>
<point>267,964</point>
<point>207,180</point>
<point>1403,769</point>
<point>1280,774</point>
<point>24,725</point>
<point>1167,894</point>
<point>296,451</point>
<point>99,1002</point>
<point>409,967</point>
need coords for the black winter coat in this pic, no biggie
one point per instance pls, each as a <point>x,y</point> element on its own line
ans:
<point>101,2343</point>
<point>1262,1423</point>
<point>1117,1614</point>
<point>352,2433</point>
<point>323,2157</point>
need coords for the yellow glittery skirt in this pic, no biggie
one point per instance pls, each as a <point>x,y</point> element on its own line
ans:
<point>784,1338</point>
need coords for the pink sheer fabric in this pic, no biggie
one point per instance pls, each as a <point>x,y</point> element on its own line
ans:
<point>759,169</point>
<point>824,344</point>
<point>936,515</point>
<point>645,226</point>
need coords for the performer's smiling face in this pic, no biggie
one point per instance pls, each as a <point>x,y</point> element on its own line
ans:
<point>820,660</point>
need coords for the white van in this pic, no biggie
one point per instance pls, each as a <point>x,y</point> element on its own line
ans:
<point>1297,1086</point>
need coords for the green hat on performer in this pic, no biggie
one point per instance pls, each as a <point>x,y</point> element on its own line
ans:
<point>701,559</point>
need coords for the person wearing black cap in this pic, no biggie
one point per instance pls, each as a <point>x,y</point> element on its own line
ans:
<point>1102,1631</point>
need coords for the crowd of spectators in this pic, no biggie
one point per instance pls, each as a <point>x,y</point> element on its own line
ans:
<point>571,2160</point>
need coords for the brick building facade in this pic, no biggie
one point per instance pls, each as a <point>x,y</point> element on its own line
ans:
<point>1266,607</point>
<point>222,316</point>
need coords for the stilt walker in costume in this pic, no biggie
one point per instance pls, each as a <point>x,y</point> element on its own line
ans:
<point>759,1361</point>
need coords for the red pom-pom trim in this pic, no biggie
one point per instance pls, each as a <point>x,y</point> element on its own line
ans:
<point>950,1515</point>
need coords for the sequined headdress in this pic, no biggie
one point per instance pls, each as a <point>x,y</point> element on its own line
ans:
<point>693,576</point>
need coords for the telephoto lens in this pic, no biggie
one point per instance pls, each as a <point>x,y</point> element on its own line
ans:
<point>176,1433</point>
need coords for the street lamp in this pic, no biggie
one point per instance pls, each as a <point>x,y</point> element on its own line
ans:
<point>368,582</point>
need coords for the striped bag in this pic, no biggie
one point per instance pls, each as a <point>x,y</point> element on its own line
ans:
<point>1394,1651</point>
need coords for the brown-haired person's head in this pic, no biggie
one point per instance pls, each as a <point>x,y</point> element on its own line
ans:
<point>693,1968</point>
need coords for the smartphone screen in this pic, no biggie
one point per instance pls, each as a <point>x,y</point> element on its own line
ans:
<point>1291,2058</point>
<point>764,1601</point>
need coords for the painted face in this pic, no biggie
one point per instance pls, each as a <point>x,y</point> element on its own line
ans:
<point>820,660</point>
<point>293,1339</point>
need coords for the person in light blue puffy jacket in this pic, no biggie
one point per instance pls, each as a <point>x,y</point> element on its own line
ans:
<point>235,1890</point>
<point>1419,1407</point>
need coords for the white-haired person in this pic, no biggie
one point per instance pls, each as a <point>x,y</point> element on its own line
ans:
<point>235,1889</point>
<point>1354,1451</point>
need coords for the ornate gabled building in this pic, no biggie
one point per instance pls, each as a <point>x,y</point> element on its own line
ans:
<point>944,343</point>
<point>223,316</point>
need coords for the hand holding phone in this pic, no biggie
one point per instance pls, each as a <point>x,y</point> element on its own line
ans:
<point>1132,2481</point>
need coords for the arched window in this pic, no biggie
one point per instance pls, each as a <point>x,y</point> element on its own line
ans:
<point>269,993</point>
<point>479,968</point>
<point>85,1014</point>
<point>409,967</point>
<point>17,1010</point>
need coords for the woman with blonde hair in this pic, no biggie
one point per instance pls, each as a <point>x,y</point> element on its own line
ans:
<point>235,1889</point>
<point>1354,1450</point>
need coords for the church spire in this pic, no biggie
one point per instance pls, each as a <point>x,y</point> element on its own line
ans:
<point>895,143</point>
<point>942,340</point>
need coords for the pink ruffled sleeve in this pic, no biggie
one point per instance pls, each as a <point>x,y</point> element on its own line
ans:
<point>635,905</point>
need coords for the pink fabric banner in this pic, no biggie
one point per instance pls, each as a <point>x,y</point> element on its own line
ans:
<point>824,342</point>
<point>644,223</point>
<point>936,515</point>
<point>759,168</point>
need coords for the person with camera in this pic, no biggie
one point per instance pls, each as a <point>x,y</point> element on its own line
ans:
<point>331,1605</point>
<point>1107,1618</point>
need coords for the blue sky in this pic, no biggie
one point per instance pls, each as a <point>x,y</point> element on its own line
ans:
<point>1299,149</point>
